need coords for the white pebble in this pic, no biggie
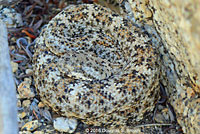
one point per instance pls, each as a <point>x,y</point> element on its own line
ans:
<point>29,71</point>
<point>14,66</point>
<point>65,125</point>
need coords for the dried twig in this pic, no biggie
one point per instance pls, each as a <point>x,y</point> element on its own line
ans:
<point>151,125</point>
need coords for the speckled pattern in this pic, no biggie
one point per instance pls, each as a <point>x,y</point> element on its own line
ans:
<point>177,23</point>
<point>92,64</point>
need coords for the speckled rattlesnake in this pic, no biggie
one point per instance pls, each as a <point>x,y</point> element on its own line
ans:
<point>92,64</point>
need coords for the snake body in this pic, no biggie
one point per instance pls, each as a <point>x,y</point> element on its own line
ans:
<point>94,65</point>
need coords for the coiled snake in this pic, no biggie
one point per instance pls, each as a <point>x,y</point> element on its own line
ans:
<point>94,65</point>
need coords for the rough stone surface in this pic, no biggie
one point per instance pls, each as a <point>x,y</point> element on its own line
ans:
<point>177,22</point>
<point>92,64</point>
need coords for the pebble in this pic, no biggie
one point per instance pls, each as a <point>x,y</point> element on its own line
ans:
<point>19,104</point>
<point>28,80</point>
<point>65,125</point>
<point>10,17</point>
<point>29,71</point>
<point>12,47</point>
<point>31,126</point>
<point>14,66</point>
<point>26,103</point>
<point>24,90</point>
<point>22,115</point>
<point>41,105</point>
<point>18,97</point>
<point>159,118</point>
<point>162,115</point>
<point>38,132</point>
<point>24,132</point>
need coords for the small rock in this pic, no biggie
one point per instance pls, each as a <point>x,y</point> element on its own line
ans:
<point>18,97</point>
<point>31,126</point>
<point>24,132</point>
<point>22,115</point>
<point>40,105</point>
<point>163,115</point>
<point>14,66</point>
<point>10,17</point>
<point>65,125</point>
<point>26,103</point>
<point>12,47</point>
<point>24,90</point>
<point>29,71</point>
<point>38,132</point>
<point>28,80</point>
<point>19,104</point>
<point>159,118</point>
